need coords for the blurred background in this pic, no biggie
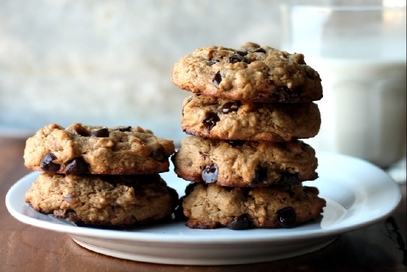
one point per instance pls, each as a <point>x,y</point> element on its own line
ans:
<point>108,62</point>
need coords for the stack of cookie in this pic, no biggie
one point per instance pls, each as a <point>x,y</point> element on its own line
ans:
<point>100,176</point>
<point>248,109</point>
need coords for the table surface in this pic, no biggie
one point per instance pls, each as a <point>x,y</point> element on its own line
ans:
<point>379,247</point>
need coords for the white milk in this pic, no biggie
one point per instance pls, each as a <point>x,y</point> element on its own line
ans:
<point>363,109</point>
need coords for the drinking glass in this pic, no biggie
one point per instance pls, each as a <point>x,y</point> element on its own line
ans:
<point>359,50</point>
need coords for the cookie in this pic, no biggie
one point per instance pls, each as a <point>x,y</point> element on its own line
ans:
<point>244,163</point>
<point>260,74</point>
<point>212,206</point>
<point>219,118</point>
<point>80,149</point>
<point>105,200</point>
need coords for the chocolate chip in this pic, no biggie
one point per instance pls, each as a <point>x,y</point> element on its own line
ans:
<point>103,132</point>
<point>237,58</point>
<point>210,120</point>
<point>239,223</point>
<point>212,62</point>
<point>260,175</point>
<point>217,79</point>
<point>236,143</point>
<point>242,53</point>
<point>158,154</point>
<point>48,165</point>
<point>289,179</point>
<point>229,107</point>
<point>286,94</point>
<point>286,217</point>
<point>234,59</point>
<point>210,173</point>
<point>128,128</point>
<point>260,50</point>
<point>77,166</point>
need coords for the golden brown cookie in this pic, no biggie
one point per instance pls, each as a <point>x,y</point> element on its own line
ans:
<point>261,74</point>
<point>212,206</point>
<point>218,118</point>
<point>104,200</point>
<point>244,163</point>
<point>80,149</point>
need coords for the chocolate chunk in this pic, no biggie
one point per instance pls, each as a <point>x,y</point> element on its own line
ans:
<point>210,120</point>
<point>289,179</point>
<point>210,173</point>
<point>123,128</point>
<point>260,50</point>
<point>260,175</point>
<point>212,61</point>
<point>229,107</point>
<point>286,94</point>
<point>77,166</point>
<point>48,165</point>
<point>241,53</point>
<point>217,79</point>
<point>286,217</point>
<point>239,223</point>
<point>158,154</point>
<point>234,59</point>
<point>103,132</point>
<point>237,58</point>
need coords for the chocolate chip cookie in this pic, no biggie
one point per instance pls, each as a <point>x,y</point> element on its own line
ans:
<point>255,73</point>
<point>212,206</point>
<point>244,163</point>
<point>80,149</point>
<point>218,118</point>
<point>105,200</point>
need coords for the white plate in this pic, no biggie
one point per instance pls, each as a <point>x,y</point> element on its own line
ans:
<point>357,193</point>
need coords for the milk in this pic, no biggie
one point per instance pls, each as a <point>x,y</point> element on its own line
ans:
<point>363,109</point>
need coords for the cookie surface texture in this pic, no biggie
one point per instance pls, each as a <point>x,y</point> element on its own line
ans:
<point>254,73</point>
<point>211,206</point>
<point>218,118</point>
<point>80,149</point>
<point>244,163</point>
<point>103,200</point>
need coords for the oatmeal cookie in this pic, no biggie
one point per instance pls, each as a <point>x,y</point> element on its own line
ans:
<point>261,74</point>
<point>105,200</point>
<point>218,118</point>
<point>244,163</point>
<point>212,206</point>
<point>80,149</point>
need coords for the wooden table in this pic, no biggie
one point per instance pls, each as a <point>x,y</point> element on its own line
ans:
<point>380,247</point>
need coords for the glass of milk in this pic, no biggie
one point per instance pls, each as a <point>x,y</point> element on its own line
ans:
<point>359,50</point>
